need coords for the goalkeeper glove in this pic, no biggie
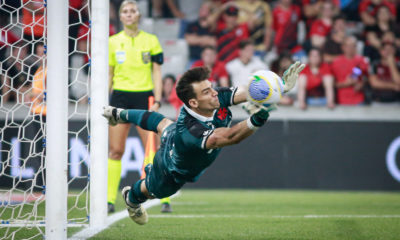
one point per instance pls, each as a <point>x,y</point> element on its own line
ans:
<point>290,76</point>
<point>112,115</point>
<point>259,114</point>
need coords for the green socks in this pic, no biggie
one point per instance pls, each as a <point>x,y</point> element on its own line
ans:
<point>142,118</point>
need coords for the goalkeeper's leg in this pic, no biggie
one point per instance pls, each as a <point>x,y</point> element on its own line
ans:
<point>151,121</point>
<point>157,184</point>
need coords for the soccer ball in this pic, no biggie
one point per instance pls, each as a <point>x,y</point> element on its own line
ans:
<point>265,87</point>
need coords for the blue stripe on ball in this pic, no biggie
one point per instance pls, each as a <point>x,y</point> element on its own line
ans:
<point>259,89</point>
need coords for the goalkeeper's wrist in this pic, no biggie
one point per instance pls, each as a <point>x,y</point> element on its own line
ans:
<point>256,121</point>
<point>250,125</point>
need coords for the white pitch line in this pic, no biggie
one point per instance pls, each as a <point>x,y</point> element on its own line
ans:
<point>39,224</point>
<point>277,216</point>
<point>90,232</point>
<point>352,216</point>
<point>189,203</point>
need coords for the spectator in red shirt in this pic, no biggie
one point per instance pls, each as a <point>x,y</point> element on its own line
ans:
<point>369,8</point>
<point>321,27</point>
<point>315,82</point>
<point>286,17</point>
<point>230,33</point>
<point>349,70</point>
<point>385,76</point>
<point>219,75</point>
<point>312,8</point>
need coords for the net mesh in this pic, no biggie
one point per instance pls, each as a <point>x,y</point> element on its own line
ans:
<point>23,117</point>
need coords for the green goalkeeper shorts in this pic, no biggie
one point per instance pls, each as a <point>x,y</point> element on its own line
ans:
<point>159,182</point>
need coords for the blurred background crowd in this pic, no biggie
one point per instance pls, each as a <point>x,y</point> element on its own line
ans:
<point>351,47</point>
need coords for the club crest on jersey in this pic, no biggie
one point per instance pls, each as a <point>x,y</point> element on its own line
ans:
<point>146,57</point>
<point>222,113</point>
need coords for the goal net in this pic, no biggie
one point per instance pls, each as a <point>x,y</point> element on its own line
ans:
<point>24,117</point>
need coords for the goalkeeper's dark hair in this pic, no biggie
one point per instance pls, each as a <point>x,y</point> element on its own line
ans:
<point>184,87</point>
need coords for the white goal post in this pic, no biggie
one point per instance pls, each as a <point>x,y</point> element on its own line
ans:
<point>57,120</point>
<point>56,210</point>
<point>98,124</point>
<point>44,192</point>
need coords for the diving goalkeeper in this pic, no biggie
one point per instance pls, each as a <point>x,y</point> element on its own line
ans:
<point>191,144</point>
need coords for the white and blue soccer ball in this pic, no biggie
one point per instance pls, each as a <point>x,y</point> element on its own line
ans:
<point>265,88</point>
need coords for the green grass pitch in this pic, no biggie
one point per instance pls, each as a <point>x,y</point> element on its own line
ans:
<point>256,214</point>
<point>267,214</point>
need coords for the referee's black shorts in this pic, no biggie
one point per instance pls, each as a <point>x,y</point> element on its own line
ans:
<point>130,100</point>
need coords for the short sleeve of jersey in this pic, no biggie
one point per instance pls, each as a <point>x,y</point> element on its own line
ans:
<point>111,52</point>
<point>156,49</point>
<point>225,95</point>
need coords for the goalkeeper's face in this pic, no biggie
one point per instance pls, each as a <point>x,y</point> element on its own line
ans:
<point>206,97</point>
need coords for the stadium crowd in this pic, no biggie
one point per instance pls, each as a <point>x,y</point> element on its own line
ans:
<point>351,47</point>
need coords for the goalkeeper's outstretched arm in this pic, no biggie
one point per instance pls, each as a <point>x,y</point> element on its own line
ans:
<point>228,136</point>
<point>222,137</point>
<point>240,95</point>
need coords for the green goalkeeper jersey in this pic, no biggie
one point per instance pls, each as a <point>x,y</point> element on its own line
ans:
<point>185,153</point>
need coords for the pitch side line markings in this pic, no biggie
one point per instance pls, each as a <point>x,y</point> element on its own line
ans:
<point>277,216</point>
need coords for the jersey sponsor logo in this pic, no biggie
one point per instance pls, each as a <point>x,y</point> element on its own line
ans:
<point>120,56</point>
<point>146,57</point>
<point>222,113</point>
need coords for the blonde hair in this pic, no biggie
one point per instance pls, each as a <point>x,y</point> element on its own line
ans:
<point>124,3</point>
